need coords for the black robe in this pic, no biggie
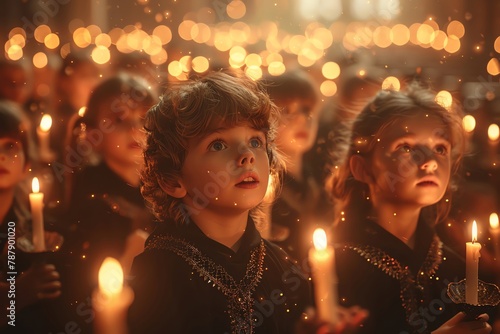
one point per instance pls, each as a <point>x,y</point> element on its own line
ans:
<point>363,282</point>
<point>174,296</point>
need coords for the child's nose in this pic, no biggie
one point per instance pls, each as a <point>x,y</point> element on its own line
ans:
<point>246,158</point>
<point>429,164</point>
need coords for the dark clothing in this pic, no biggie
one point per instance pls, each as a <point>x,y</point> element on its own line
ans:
<point>185,282</point>
<point>101,215</point>
<point>300,208</point>
<point>378,284</point>
<point>4,227</point>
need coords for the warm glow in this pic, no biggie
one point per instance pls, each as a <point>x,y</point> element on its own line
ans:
<point>200,64</point>
<point>493,132</point>
<point>328,88</point>
<point>236,9</point>
<point>40,60</point>
<point>45,123</point>
<point>493,66</point>
<point>444,99</point>
<point>100,54</point>
<point>111,277</point>
<point>51,41</point>
<point>81,111</point>
<point>35,185</point>
<point>494,221</point>
<point>319,239</point>
<point>456,28</point>
<point>391,83</point>
<point>469,123</point>
<point>474,231</point>
<point>330,70</point>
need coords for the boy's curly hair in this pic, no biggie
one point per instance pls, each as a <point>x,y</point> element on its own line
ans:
<point>193,109</point>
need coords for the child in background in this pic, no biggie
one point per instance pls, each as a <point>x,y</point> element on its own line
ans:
<point>37,282</point>
<point>107,212</point>
<point>303,203</point>
<point>393,187</point>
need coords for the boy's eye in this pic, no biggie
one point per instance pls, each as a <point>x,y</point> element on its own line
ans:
<point>441,149</point>
<point>217,145</point>
<point>405,148</point>
<point>255,142</point>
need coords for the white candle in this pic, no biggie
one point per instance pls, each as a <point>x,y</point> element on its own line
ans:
<point>111,300</point>
<point>495,234</point>
<point>43,131</point>
<point>322,259</point>
<point>472,266</point>
<point>36,202</point>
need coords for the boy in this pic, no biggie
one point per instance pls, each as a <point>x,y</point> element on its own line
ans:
<point>206,269</point>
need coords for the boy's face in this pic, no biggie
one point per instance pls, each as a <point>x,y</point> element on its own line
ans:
<point>226,170</point>
<point>12,163</point>
<point>411,161</point>
<point>298,126</point>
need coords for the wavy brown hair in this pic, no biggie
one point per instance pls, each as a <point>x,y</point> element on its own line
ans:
<point>190,110</point>
<point>353,202</point>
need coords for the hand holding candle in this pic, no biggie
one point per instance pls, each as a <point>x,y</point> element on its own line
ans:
<point>111,300</point>
<point>472,267</point>
<point>36,202</point>
<point>322,259</point>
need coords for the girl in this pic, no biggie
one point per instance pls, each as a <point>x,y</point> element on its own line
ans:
<point>392,189</point>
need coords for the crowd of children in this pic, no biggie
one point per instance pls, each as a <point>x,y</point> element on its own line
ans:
<point>208,194</point>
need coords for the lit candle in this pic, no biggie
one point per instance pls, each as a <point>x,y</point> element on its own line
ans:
<point>36,202</point>
<point>495,234</point>
<point>472,266</point>
<point>322,259</point>
<point>111,300</point>
<point>43,132</point>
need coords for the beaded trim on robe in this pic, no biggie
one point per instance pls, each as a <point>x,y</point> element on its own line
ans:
<point>238,294</point>
<point>411,286</point>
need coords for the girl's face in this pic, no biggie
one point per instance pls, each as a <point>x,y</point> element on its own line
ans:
<point>298,127</point>
<point>13,167</point>
<point>124,136</point>
<point>410,162</point>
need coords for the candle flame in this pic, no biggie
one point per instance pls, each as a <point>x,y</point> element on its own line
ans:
<point>35,185</point>
<point>474,231</point>
<point>493,132</point>
<point>45,123</point>
<point>111,277</point>
<point>494,221</point>
<point>81,111</point>
<point>469,123</point>
<point>319,239</point>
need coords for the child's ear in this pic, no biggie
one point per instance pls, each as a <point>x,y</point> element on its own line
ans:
<point>176,190</point>
<point>359,169</point>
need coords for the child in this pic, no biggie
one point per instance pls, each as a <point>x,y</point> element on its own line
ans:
<point>303,203</point>
<point>106,210</point>
<point>392,188</point>
<point>209,156</point>
<point>38,281</point>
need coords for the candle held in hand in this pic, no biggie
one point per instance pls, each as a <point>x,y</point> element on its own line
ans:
<point>111,300</point>
<point>322,259</point>
<point>36,202</point>
<point>472,267</point>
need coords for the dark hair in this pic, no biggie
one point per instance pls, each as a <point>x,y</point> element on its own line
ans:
<point>193,109</point>
<point>386,107</point>
<point>291,85</point>
<point>114,93</point>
